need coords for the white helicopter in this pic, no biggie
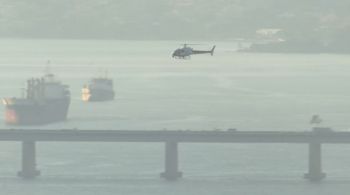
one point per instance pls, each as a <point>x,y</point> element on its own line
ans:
<point>185,52</point>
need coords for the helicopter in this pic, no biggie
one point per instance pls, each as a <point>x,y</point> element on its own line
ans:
<point>185,52</point>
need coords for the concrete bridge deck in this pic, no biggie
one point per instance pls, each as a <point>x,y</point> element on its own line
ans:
<point>71,135</point>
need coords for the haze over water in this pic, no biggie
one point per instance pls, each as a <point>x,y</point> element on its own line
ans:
<point>247,91</point>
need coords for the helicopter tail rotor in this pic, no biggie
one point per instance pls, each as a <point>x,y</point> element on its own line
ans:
<point>212,50</point>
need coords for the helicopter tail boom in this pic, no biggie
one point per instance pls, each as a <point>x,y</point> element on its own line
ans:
<point>202,52</point>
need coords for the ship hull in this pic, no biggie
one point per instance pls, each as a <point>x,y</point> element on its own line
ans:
<point>37,113</point>
<point>97,95</point>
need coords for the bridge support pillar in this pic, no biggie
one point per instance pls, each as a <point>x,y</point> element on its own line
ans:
<point>28,161</point>
<point>315,163</point>
<point>171,162</point>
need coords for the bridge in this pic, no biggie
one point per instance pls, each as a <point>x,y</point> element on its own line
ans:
<point>171,139</point>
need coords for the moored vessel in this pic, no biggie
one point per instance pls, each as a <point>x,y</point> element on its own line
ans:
<point>46,100</point>
<point>98,89</point>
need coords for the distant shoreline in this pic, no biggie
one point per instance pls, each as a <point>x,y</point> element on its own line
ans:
<point>311,47</point>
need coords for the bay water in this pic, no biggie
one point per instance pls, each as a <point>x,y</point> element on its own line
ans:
<point>246,91</point>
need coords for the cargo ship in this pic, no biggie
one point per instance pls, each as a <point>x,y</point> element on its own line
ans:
<point>46,100</point>
<point>98,89</point>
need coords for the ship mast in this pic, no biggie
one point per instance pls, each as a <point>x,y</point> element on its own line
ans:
<point>106,73</point>
<point>48,67</point>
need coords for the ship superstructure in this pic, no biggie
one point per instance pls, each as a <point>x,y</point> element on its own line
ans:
<point>46,100</point>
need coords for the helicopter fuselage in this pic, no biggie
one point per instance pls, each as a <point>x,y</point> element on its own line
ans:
<point>186,52</point>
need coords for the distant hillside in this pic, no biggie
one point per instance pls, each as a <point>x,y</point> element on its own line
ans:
<point>172,19</point>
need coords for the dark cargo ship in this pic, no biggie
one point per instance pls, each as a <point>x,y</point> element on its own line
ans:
<point>47,100</point>
<point>98,89</point>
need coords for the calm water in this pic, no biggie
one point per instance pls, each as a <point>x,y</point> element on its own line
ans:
<point>154,91</point>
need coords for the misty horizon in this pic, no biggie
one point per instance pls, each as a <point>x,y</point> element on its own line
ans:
<point>169,19</point>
